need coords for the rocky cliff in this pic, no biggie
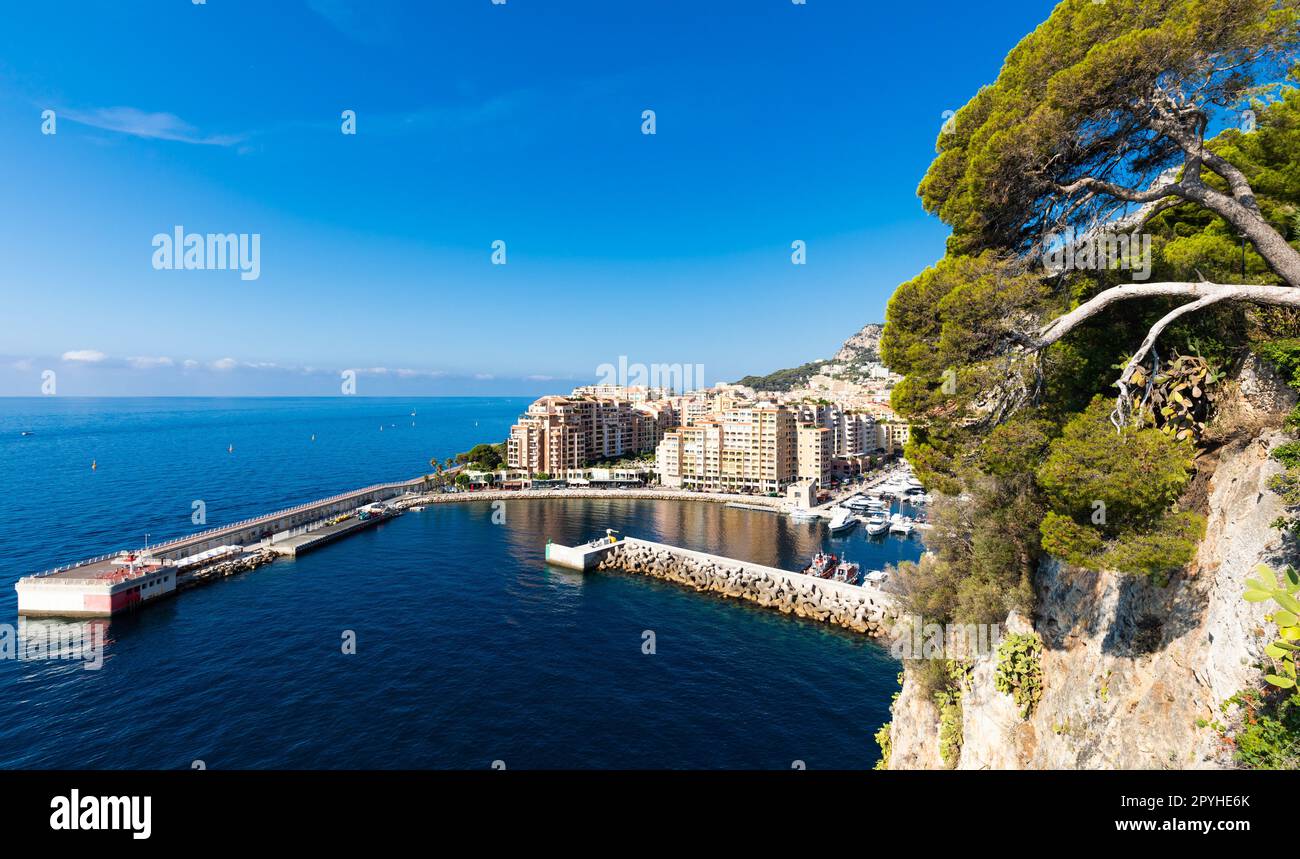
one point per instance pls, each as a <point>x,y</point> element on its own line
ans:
<point>1129,666</point>
<point>861,348</point>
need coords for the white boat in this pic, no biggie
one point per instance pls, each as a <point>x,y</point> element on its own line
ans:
<point>900,524</point>
<point>877,524</point>
<point>803,514</point>
<point>842,520</point>
<point>875,579</point>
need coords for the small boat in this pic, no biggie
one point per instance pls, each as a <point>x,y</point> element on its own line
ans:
<point>823,565</point>
<point>230,449</point>
<point>803,514</point>
<point>875,579</point>
<point>842,520</point>
<point>27,433</point>
<point>900,524</point>
<point>877,524</point>
<point>846,573</point>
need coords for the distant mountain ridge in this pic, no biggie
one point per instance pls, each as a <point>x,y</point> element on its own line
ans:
<point>851,362</point>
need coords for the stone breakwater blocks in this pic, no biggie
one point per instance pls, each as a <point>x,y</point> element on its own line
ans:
<point>837,603</point>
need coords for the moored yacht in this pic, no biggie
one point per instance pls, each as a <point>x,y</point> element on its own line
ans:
<point>843,519</point>
<point>899,524</point>
<point>877,523</point>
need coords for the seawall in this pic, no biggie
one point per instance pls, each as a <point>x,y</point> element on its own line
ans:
<point>862,609</point>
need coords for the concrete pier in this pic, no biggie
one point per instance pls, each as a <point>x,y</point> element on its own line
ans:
<point>125,580</point>
<point>862,608</point>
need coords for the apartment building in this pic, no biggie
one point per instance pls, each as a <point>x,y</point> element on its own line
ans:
<point>749,448</point>
<point>814,454</point>
<point>851,433</point>
<point>557,434</point>
<point>892,436</point>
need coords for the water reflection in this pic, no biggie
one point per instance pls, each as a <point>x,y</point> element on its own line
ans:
<point>759,537</point>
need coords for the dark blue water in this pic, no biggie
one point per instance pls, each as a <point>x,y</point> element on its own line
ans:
<point>469,649</point>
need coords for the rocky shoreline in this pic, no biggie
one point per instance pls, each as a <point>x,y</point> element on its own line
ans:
<point>242,564</point>
<point>848,606</point>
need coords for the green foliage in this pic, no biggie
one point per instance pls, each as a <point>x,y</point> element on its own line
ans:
<point>484,457</point>
<point>1284,355</point>
<point>1159,551</point>
<point>1137,473</point>
<point>1287,486</point>
<point>1269,737</point>
<point>1016,447</point>
<point>944,330</point>
<point>883,740</point>
<point>970,574</point>
<point>1112,495</point>
<point>1019,670</point>
<point>1074,96</point>
<point>1179,396</point>
<point>950,730</point>
<point>784,380</point>
<point>1282,590</point>
<point>1288,454</point>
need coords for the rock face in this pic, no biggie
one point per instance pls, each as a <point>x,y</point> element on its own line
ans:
<point>1128,666</point>
<point>851,607</point>
<point>861,348</point>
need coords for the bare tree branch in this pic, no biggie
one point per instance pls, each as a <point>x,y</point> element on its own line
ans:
<point>1285,296</point>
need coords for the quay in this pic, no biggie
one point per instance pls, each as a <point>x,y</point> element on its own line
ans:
<point>863,608</point>
<point>127,579</point>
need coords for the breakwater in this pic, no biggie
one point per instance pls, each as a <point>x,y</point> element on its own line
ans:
<point>862,609</point>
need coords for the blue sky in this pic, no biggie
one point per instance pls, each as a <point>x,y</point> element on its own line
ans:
<point>475,123</point>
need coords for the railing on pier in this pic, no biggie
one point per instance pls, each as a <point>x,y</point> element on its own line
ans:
<point>234,526</point>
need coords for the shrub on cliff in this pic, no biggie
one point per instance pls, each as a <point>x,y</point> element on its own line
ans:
<point>1112,496</point>
<point>1019,670</point>
<point>1269,736</point>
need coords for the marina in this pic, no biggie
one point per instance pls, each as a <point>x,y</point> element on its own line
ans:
<point>370,581</point>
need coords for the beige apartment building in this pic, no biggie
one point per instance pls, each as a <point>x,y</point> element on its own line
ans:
<point>557,434</point>
<point>851,432</point>
<point>814,454</point>
<point>749,449</point>
<point>891,437</point>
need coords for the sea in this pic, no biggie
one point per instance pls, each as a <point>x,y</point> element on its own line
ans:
<point>436,640</point>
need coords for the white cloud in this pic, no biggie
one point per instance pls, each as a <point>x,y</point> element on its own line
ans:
<point>225,364</point>
<point>155,126</point>
<point>88,356</point>
<point>148,363</point>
